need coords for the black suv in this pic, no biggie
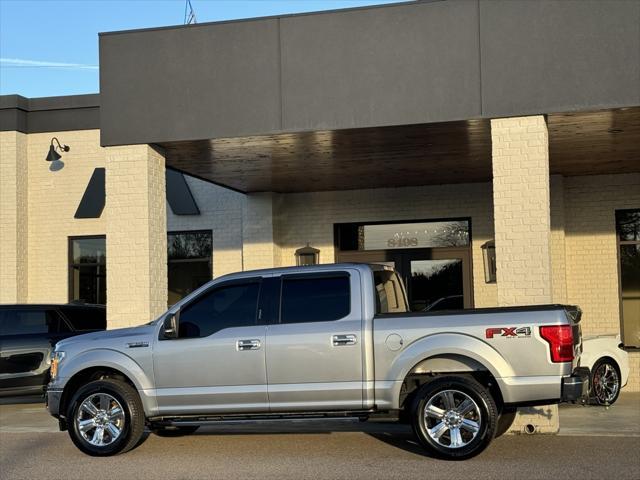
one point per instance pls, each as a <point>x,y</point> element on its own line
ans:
<point>28,334</point>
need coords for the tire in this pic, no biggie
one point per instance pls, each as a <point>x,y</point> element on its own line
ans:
<point>505,420</point>
<point>114,424</point>
<point>605,382</point>
<point>471,427</point>
<point>180,431</point>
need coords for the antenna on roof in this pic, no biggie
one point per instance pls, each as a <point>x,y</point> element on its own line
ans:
<point>189,14</point>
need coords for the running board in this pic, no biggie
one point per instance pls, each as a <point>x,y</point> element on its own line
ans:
<point>189,420</point>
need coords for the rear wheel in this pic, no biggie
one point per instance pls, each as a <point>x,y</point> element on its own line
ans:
<point>454,417</point>
<point>106,417</point>
<point>605,382</point>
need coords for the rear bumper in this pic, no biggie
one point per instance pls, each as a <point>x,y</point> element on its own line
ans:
<point>576,386</point>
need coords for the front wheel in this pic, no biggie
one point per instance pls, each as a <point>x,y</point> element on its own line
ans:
<point>106,418</point>
<point>454,417</point>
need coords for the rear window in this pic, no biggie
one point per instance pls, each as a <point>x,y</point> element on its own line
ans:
<point>28,321</point>
<point>86,318</point>
<point>389,294</point>
<point>315,299</point>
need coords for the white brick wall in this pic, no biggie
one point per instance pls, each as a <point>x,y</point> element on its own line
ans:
<point>591,251</point>
<point>309,217</point>
<point>220,212</point>
<point>521,201</point>
<point>54,197</point>
<point>136,227</point>
<point>13,217</point>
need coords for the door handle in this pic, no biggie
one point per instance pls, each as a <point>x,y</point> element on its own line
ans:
<point>339,340</point>
<point>253,344</point>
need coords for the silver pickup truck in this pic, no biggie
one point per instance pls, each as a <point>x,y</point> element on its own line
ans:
<point>326,341</point>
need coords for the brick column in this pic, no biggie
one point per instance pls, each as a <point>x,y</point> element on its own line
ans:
<point>521,202</point>
<point>13,217</point>
<point>136,235</point>
<point>258,247</point>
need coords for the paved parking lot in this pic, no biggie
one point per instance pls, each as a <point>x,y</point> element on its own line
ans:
<point>588,447</point>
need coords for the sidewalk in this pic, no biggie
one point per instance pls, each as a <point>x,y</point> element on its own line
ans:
<point>622,419</point>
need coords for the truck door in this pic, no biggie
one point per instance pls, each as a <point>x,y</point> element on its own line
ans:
<point>314,345</point>
<point>217,363</point>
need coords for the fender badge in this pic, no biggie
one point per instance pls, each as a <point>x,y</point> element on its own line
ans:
<point>509,332</point>
<point>137,344</point>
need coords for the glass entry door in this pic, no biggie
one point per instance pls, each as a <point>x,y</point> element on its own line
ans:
<point>436,279</point>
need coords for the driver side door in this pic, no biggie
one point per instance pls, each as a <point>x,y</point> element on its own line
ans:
<point>217,363</point>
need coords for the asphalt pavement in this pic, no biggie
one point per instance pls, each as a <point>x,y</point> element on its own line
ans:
<point>30,447</point>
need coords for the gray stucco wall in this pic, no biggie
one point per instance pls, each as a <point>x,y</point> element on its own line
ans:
<point>417,62</point>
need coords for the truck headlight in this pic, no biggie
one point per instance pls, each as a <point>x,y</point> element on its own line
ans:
<point>56,358</point>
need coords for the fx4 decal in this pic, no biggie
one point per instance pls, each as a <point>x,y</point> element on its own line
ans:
<point>509,332</point>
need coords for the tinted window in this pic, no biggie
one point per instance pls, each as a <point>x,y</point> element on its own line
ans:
<point>225,307</point>
<point>86,318</point>
<point>28,321</point>
<point>455,302</point>
<point>315,299</point>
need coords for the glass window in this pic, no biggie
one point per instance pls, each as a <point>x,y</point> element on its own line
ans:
<point>433,281</point>
<point>391,236</point>
<point>189,263</point>
<point>88,270</point>
<point>319,299</point>
<point>28,322</point>
<point>86,318</point>
<point>628,228</point>
<point>389,296</point>
<point>225,307</point>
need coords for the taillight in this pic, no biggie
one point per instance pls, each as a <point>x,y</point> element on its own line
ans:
<point>560,338</point>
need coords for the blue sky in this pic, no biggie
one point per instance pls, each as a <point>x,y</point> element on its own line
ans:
<point>50,48</point>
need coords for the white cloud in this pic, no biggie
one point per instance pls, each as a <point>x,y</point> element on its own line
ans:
<point>21,62</point>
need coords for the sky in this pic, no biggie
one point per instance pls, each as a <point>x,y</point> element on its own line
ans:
<point>50,47</point>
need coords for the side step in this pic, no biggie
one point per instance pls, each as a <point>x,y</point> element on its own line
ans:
<point>193,420</point>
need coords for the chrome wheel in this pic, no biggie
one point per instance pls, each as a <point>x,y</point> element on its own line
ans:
<point>606,383</point>
<point>100,419</point>
<point>452,418</point>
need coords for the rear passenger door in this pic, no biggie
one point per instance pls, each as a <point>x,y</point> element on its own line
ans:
<point>314,343</point>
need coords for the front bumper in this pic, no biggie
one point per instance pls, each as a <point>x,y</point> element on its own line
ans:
<point>576,386</point>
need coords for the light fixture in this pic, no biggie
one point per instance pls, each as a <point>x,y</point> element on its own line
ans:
<point>52,156</point>
<point>489,257</point>
<point>307,256</point>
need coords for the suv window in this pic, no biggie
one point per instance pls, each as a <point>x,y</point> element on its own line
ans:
<point>29,321</point>
<point>86,318</point>
<point>319,299</point>
<point>227,306</point>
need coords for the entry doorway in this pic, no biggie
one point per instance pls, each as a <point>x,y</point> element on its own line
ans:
<point>436,277</point>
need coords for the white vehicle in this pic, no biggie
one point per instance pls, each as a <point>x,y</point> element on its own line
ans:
<point>609,366</point>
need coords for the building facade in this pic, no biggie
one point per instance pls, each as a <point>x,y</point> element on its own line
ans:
<point>483,185</point>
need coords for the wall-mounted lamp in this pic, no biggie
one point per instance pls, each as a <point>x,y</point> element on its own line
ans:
<point>489,257</point>
<point>52,156</point>
<point>307,256</point>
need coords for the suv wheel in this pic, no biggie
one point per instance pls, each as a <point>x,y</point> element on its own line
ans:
<point>454,417</point>
<point>106,417</point>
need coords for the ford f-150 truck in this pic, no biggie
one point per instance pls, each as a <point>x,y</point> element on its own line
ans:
<point>326,341</point>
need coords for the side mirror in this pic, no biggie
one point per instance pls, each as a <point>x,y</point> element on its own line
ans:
<point>170,327</point>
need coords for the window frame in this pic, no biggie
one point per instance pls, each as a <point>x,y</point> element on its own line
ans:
<point>218,286</point>
<point>313,275</point>
<point>619,244</point>
<point>71,264</point>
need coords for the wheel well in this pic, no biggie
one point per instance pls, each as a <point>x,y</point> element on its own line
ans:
<point>89,375</point>
<point>419,375</point>
<point>609,359</point>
